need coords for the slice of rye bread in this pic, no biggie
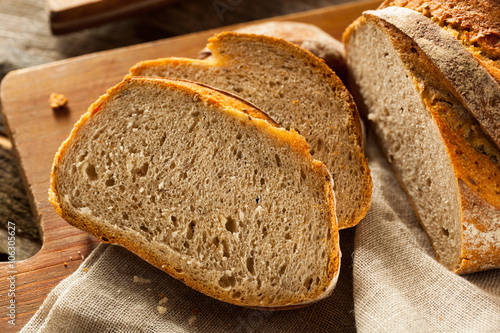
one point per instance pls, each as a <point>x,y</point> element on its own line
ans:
<point>468,79</point>
<point>202,186</point>
<point>475,23</point>
<point>307,36</point>
<point>297,90</point>
<point>448,167</point>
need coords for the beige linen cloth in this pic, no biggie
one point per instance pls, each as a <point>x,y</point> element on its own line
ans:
<point>389,282</point>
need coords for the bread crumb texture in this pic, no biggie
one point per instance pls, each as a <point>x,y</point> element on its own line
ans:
<point>298,91</point>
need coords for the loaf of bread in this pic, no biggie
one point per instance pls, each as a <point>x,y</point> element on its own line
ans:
<point>205,187</point>
<point>475,24</point>
<point>447,165</point>
<point>297,90</point>
<point>307,36</point>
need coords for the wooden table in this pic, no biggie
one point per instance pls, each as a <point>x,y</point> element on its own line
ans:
<point>64,247</point>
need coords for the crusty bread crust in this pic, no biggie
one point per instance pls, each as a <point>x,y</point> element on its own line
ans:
<point>307,36</point>
<point>344,98</point>
<point>233,108</point>
<point>478,177</point>
<point>459,71</point>
<point>475,23</point>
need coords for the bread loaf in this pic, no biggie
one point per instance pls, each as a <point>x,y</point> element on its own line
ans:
<point>474,24</point>
<point>447,165</point>
<point>297,90</point>
<point>203,186</point>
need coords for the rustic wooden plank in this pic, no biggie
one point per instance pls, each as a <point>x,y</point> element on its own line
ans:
<point>37,132</point>
<point>66,16</point>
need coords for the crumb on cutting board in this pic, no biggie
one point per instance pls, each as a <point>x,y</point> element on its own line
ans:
<point>57,101</point>
<point>163,301</point>
<point>192,320</point>
<point>161,309</point>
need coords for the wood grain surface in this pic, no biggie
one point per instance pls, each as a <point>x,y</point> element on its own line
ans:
<point>37,132</point>
<point>71,15</point>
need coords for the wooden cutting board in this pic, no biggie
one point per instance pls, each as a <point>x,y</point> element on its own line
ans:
<point>37,132</point>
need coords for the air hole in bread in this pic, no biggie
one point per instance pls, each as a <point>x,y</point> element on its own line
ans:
<point>91,173</point>
<point>308,283</point>
<point>162,139</point>
<point>239,136</point>
<point>278,160</point>
<point>250,266</point>
<point>225,247</point>
<point>282,270</point>
<point>190,230</point>
<point>82,157</point>
<point>174,220</point>
<point>231,225</point>
<point>125,216</point>
<point>227,281</point>
<point>110,182</point>
<point>445,232</point>
<point>236,295</point>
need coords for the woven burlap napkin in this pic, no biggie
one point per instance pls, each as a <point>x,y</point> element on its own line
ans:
<point>392,285</point>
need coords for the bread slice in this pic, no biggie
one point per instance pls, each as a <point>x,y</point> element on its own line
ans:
<point>202,186</point>
<point>447,165</point>
<point>297,90</point>
<point>307,36</point>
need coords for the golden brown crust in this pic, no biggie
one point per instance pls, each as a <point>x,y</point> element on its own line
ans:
<point>217,42</point>
<point>478,176</point>
<point>475,23</point>
<point>234,108</point>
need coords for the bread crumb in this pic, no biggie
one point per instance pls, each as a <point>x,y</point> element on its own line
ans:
<point>192,320</point>
<point>65,264</point>
<point>138,279</point>
<point>86,269</point>
<point>161,309</point>
<point>57,101</point>
<point>162,301</point>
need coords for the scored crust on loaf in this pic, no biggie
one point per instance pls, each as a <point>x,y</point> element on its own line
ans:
<point>183,176</point>
<point>297,90</point>
<point>475,23</point>
<point>460,71</point>
<point>447,166</point>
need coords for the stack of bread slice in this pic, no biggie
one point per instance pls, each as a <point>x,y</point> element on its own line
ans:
<point>437,119</point>
<point>233,201</point>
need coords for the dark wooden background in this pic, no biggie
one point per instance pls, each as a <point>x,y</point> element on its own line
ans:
<point>26,40</point>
